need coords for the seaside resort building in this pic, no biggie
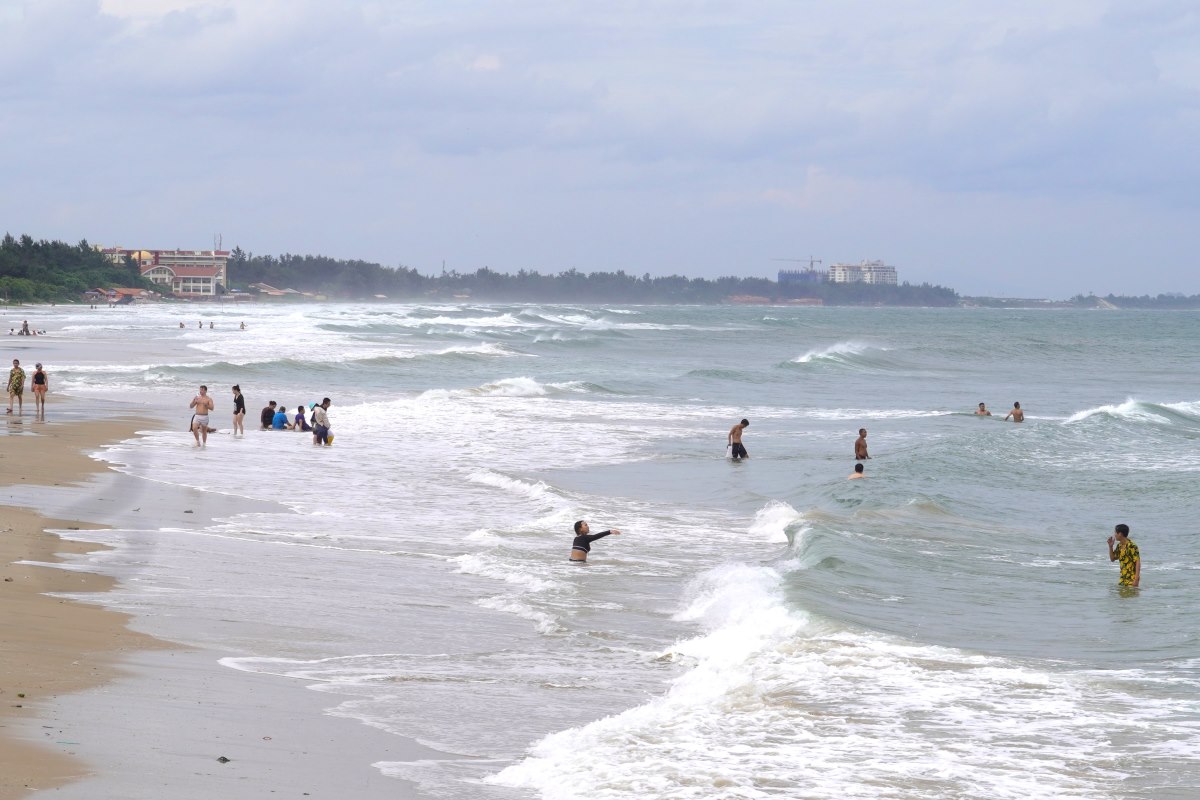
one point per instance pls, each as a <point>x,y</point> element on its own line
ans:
<point>186,273</point>
<point>866,272</point>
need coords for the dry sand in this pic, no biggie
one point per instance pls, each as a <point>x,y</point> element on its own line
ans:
<point>49,646</point>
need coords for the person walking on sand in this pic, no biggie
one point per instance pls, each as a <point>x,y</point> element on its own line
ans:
<point>982,411</point>
<point>203,404</point>
<point>239,411</point>
<point>582,545</point>
<point>858,472</point>
<point>41,385</point>
<point>1120,548</point>
<point>16,387</point>
<point>736,449</point>
<point>1017,414</point>
<point>860,445</point>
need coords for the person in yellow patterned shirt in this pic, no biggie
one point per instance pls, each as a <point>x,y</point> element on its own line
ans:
<point>1119,547</point>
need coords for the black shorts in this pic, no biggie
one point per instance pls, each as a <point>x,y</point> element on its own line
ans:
<point>739,451</point>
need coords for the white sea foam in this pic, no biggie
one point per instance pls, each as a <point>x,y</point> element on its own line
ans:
<point>777,522</point>
<point>1131,409</point>
<point>836,352</point>
<point>772,700</point>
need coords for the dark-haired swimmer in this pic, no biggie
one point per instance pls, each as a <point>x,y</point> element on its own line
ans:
<point>1017,414</point>
<point>858,471</point>
<point>736,449</point>
<point>983,412</point>
<point>582,545</point>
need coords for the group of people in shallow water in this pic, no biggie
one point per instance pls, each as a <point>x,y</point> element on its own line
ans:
<point>274,417</point>
<point>15,387</point>
<point>1120,548</point>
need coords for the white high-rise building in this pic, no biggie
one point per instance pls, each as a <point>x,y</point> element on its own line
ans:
<point>866,272</point>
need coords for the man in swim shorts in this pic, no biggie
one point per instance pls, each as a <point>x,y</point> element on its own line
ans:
<point>860,445</point>
<point>203,404</point>
<point>582,545</point>
<point>16,387</point>
<point>1128,554</point>
<point>736,449</point>
<point>1017,414</point>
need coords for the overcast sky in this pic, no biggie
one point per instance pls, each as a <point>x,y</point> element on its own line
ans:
<point>1029,149</point>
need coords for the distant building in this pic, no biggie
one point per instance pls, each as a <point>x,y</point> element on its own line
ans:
<point>187,273</point>
<point>791,277</point>
<point>866,272</point>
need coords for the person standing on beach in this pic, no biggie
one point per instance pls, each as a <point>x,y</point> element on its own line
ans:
<point>320,422</point>
<point>982,411</point>
<point>582,545</point>
<point>16,387</point>
<point>267,415</point>
<point>203,405</point>
<point>736,449</point>
<point>1128,554</point>
<point>239,411</point>
<point>1017,414</point>
<point>860,445</point>
<point>41,385</point>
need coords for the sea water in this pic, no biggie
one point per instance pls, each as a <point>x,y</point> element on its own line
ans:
<point>948,627</point>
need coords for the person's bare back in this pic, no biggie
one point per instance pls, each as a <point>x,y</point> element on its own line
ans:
<point>1017,414</point>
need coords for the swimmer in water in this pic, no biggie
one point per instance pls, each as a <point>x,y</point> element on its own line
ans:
<point>582,545</point>
<point>858,472</point>
<point>1017,414</point>
<point>982,411</point>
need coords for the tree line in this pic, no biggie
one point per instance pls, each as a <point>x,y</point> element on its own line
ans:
<point>336,278</point>
<point>41,271</point>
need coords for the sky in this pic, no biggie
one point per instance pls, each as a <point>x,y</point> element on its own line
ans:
<point>1014,148</point>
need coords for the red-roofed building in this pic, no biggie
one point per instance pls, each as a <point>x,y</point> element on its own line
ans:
<point>188,273</point>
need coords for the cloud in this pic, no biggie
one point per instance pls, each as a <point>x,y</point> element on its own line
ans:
<point>634,129</point>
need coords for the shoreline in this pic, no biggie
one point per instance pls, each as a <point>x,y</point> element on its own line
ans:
<point>51,646</point>
<point>122,705</point>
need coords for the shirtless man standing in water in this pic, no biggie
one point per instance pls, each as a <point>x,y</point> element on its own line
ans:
<point>1017,414</point>
<point>203,404</point>
<point>736,449</point>
<point>860,445</point>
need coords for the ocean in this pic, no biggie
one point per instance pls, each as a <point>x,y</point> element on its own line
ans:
<point>950,627</point>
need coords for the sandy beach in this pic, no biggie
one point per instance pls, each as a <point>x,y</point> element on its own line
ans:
<point>90,707</point>
<point>50,646</point>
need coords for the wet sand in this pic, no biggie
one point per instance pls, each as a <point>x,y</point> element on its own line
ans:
<point>50,646</point>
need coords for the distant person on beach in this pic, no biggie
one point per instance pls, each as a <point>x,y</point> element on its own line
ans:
<point>982,411</point>
<point>1128,554</point>
<point>300,423</point>
<point>858,471</point>
<point>267,415</point>
<point>280,421</point>
<point>25,328</point>
<point>860,445</point>
<point>210,326</point>
<point>239,411</point>
<point>200,324</point>
<point>203,404</point>
<point>41,385</point>
<point>243,326</point>
<point>1017,414</point>
<point>736,449</point>
<point>16,387</point>
<point>320,422</point>
<point>181,324</point>
<point>582,545</point>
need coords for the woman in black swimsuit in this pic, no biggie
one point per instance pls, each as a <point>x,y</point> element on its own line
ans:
<point>583,541</point>
<point>41,385</point>
<point>239,411</point>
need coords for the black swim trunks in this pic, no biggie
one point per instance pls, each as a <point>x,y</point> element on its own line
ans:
<point>739,451</point>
